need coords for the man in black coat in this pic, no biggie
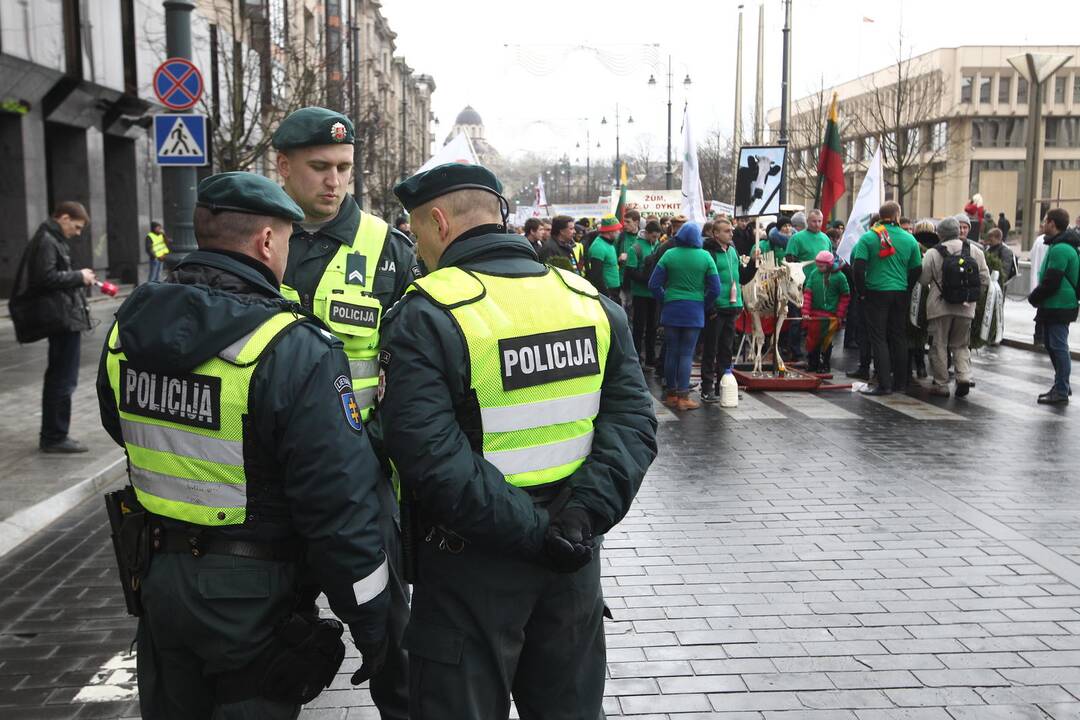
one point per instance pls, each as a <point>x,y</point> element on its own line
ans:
<point>48,302</point>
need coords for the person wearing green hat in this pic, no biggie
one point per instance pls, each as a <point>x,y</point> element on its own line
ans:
<point>604,258</point>
<point>522,431</point>
<point>247,459</point>
<point>348,268</point>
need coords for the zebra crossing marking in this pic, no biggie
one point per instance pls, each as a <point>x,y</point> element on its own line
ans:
<point>913,407</point>
<point>1012,409</point>
<point>750,408</point>
<point>812,406</point>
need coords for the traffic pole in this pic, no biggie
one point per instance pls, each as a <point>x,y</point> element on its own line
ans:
<point>178,183</point>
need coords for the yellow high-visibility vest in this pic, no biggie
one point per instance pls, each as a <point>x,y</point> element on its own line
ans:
<point>345,300</point>
<point>537,349</point>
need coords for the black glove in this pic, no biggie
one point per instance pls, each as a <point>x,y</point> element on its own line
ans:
<point>372,656</point>
<point>568,543</point>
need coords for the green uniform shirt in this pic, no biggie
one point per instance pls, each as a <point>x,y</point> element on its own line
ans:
<point>686,269</point>
<point>805,245</point>
<point>727,267</point>
<point>825,296</point>
<point>639,289</point>
<point>603,251</point>
<point>888,273</point>
<point>1062,256</point>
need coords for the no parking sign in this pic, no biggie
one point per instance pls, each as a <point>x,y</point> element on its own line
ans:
<point>178,84</point>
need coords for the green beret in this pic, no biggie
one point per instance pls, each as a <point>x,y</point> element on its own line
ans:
<point>442,179</point>
<point>312,126</point>
<point>246,192</point>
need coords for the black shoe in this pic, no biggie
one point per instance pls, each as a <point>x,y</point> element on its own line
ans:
<point>66,446</point>
<point>709,398</point>
<point>1053,398</point>
<point>860,374</point>
<point>962,389</point>
<point>876,390</point>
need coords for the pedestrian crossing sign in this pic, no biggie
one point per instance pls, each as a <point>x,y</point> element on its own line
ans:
<point>180,139</point>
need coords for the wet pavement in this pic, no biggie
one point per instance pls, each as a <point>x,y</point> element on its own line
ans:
<point>805,555</point>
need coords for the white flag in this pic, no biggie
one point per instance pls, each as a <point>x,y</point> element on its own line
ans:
<point>541,196</point>
<point>867,203</point>
<point>458,150</point>
<point>693,199</point>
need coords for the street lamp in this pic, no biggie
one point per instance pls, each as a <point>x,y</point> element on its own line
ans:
<point>686,84</point>
<point>618,155</point>
<point>1037,68</point>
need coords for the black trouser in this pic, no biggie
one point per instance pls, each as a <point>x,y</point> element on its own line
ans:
<point>205,617</point>
<point>645,327</point>
<point>886,324</point>
<point>486,625</point>
<point>791,340</point>
<point>61,378</point>
<point>717,347</point>
<point>390,686</point>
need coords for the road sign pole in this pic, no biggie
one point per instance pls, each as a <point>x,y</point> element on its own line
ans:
<point>178,183</point>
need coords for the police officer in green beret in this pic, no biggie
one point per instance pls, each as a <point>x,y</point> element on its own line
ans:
<point>245,447</point>
<point>522,430</point>
<point>348,267</point>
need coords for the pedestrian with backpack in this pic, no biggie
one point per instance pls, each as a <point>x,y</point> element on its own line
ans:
<point>1056,299</point>
<point>954,274</point>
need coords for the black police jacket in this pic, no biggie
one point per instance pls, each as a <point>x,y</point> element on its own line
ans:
<point>427,377</point>
<point>299,433</point>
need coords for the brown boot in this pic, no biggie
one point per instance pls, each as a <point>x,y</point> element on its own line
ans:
<point>685,403</point>
<point>671,400</point>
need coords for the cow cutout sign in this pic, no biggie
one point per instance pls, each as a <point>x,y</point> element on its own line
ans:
<point>757,184</point>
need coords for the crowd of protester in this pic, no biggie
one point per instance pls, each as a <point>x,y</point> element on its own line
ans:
<point>682,284</point>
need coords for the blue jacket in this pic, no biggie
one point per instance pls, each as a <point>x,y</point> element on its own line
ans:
<point>684,313</point>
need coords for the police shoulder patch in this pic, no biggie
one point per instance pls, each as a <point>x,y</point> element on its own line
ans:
<point>342,383</point>
<point>351,409</point>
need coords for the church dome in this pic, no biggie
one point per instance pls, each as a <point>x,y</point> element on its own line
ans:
<point>468,116</point>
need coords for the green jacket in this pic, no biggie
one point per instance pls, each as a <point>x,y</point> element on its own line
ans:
<point>1055,295</point>
<point>427,393</point>
<point>634,263</point>
<point>299,433</point>
<point>889,273</point>
<point>805,245</point>
<point>728,269</point>
<point>603,252</point>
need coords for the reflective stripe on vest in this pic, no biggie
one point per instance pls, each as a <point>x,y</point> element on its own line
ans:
<point>158,247</point>
<point>536,373</point>
<point>184,432</point>
<point>345,300</point>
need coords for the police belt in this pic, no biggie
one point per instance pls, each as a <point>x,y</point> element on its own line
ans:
<point>198,543</point>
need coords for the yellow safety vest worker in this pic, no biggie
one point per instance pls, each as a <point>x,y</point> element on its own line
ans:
<point>184,433</point>
<point>537,349</point>
<point>158,247</point>
<point>346,302</point>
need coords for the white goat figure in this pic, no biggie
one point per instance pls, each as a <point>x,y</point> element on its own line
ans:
<point>768,294</point>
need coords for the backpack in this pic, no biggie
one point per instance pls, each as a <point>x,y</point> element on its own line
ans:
<point>959,276</point>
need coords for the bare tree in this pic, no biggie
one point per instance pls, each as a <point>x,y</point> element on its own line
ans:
<point>906,115</point>
<point>262,82</point>
<point>806,136</point>
<point>714,166</point>
<point>639,164</point>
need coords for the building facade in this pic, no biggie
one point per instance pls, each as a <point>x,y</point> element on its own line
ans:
<point>963,130</point>
<point>74,88</point>
<point>76,107</point>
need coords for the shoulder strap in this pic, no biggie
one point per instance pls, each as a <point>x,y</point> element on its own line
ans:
<point>577,283</point>
<point>449,287</point>
<point>249,348</point>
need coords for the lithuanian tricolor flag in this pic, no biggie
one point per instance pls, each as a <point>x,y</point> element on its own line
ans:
<point>830,168</point>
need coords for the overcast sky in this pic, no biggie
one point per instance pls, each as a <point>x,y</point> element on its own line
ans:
<point>536,70</point>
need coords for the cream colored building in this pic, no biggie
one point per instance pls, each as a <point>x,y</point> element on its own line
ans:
<point>971,131</point>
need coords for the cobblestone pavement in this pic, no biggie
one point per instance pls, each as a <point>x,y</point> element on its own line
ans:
<point>803,556</point>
